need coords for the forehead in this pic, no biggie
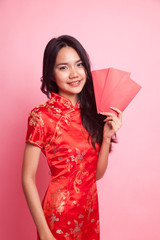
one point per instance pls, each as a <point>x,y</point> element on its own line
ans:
<point>67,54</point>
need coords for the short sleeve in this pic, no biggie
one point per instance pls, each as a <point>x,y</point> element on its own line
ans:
<point>35,132</point>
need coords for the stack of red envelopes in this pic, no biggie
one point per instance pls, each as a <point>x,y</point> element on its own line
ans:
<point>113,88</point>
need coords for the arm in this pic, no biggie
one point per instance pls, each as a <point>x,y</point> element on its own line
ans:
<point>30,164</point>
<point>112,125</point>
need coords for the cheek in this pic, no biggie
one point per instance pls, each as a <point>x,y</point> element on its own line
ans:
<point>59,77</point>
<point>83,73</point>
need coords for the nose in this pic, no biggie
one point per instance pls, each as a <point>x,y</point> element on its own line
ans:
<point>73,73</point>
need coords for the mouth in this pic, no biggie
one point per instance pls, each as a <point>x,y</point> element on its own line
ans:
<point>75,83</point>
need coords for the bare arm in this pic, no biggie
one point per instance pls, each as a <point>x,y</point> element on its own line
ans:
<point>30,164</point>
<point>112,125</point>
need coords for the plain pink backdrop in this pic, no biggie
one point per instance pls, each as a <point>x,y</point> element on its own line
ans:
<point>117,33</point>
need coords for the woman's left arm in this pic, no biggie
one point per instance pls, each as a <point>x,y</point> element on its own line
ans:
<point>111,126</point>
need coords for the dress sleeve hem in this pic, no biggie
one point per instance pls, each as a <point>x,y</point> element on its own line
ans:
<point>29,141</point>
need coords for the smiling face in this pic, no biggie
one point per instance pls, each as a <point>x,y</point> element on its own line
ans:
<point>69,73</point>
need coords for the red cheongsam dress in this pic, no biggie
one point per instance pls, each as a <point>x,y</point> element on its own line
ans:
<point>71,203</point>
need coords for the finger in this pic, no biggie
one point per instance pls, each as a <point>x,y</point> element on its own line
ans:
<point>115,122</point>
<point>112,116</point>
<point>108,114</point>
<point>115,127</point>
<point>108,118</point>
<point>118,120</point>
<point>117,110</point>
<point>112,126</point>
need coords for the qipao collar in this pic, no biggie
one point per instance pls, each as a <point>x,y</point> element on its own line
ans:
<point>63,102</point>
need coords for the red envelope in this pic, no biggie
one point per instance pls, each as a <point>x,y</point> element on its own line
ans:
<point>113,88</point>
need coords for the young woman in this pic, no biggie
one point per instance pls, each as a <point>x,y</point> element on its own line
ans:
<point>76,142</point>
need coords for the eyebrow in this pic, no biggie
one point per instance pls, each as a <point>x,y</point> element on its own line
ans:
<point>59,64</point>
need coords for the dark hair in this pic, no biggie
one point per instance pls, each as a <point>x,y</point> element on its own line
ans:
<point>92,121</point>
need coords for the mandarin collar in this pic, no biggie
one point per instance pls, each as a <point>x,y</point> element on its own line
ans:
<point>63,102</point>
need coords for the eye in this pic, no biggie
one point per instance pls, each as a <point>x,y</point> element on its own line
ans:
<point>80,64</point>
<point>63,68</point>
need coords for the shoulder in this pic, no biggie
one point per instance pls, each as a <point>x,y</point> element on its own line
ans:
<point>44,112</point>
<point>42,108</point>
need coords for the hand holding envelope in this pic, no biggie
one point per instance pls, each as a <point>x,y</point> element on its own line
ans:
<point>113,88</point>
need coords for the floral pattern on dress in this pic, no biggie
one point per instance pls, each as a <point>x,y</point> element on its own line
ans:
<point>70,204</point>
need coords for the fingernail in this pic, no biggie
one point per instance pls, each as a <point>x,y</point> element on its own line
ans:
<point>101,113</point>
<point>112,107</point>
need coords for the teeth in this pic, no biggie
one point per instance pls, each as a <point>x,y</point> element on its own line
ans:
<point>75,82</point>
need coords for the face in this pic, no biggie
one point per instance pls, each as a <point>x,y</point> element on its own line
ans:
<point>69,73</point>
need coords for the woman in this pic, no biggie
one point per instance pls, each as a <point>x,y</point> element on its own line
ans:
<point>76,142</point>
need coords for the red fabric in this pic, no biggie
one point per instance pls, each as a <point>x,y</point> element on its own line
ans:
<point>71,202</point>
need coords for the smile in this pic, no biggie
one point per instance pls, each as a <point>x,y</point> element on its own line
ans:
<point>75,84</point>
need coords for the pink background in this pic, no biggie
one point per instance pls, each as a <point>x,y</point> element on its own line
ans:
<point>117,33</point>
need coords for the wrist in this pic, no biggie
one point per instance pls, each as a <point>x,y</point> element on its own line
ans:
<point>107,140</point>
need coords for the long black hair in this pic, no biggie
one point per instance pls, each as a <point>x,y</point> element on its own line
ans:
<point>92,121</point>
